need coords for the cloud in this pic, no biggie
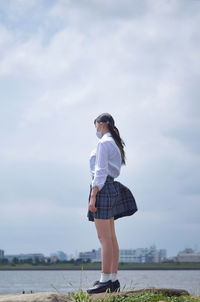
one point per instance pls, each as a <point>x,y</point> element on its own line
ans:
<point>62,64</point>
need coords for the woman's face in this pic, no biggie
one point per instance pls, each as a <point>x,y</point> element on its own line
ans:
<point>98,126</point>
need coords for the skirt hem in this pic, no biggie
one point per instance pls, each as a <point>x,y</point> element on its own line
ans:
<point>113,200</point>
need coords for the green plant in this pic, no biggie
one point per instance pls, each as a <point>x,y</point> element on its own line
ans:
<point>79,296</point>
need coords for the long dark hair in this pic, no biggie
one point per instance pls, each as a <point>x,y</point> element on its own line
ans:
<point>108,119</point>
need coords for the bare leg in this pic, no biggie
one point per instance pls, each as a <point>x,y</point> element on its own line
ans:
<point>115,256</point>
<point>103,227</point>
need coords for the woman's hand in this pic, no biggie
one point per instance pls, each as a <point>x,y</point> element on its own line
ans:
<point>92,204</point>
<point>93,199</point>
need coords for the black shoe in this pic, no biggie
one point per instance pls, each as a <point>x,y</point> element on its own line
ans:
<point>100,287</point>
<point>115,286</point>
<point>96,282</point>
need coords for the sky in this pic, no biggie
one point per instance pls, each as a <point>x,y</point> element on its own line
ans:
<point>64,62</point>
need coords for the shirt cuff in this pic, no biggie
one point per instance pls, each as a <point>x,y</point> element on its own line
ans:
<point>100,186</point>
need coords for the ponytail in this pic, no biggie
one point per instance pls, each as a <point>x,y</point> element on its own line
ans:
<point>120,143</point>
<point>108,119</point>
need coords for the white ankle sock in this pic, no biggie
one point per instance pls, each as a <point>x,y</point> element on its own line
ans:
<point>113,277</point>
<point>105,277</point>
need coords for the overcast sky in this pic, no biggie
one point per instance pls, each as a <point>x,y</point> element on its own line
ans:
<point>64,62</point>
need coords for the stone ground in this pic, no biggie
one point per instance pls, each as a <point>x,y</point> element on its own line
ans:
<point>57,297</point>
<point>36,297</point>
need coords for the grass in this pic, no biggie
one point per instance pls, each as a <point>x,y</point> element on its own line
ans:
<point>81,296</point>
<point>145,296</point>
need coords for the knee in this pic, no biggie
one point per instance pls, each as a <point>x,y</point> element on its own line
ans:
<point>104,237</point>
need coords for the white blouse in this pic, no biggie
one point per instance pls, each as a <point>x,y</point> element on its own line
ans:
<point>105,160</point>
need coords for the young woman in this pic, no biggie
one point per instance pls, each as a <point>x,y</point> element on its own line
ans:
<point>108,199</point>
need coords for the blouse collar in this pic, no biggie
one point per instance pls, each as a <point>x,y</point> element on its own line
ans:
<point>107,134</point>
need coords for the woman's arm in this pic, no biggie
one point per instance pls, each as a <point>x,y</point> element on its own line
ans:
<point>101,172</point>
<point>94,191</point>
<point>93,199</point>
<point>101,167</point>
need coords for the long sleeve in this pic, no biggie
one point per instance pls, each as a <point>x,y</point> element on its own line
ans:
<point>101,166</point>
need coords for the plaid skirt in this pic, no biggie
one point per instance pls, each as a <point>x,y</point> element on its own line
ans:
<point>113,200</point>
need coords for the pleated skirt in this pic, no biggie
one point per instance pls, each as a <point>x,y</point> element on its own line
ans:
<point>113,200</point>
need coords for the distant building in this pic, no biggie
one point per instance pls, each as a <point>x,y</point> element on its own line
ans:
<point>70,257</point>
<point>53,258</point>
<point>139,255</point>
<point>34,257</point>
<point>1,254</point>
<point>163,254</point>
<point>93,256</point>
<point>61,255</point>
<point>152,255</point>
<point>131,256</point>
<point>188,255</point>
<point>142,255</point>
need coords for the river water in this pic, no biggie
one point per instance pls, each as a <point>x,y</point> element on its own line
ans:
<point>65,281</point>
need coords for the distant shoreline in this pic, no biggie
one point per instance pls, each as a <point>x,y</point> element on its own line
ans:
<point>95,269</point>
<point>97,266</point>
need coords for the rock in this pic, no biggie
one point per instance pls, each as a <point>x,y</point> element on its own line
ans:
<point>167,291</point>
<point>37,297</point>
<point>57,297</point>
